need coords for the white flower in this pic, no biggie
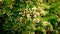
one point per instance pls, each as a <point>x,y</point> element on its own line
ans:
<point>20,13</point>
<point>42,12</point>
<point>35,16</point>
<point>51,28</point>
<point>28,16</point>
<point>32,32</point>
<point>44,31</point>
<point>45,23</point>
<point>21,19</point>
<point>34,8</point>
<point>26,10</point>
<point>36,20</point>
<point>28,27</point>
<point>38,13</point>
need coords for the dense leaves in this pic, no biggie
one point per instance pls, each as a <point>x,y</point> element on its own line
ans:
<point>29,16</point>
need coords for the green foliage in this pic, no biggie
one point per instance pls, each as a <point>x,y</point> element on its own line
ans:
<point>23,16</point>
<point>7,2</point>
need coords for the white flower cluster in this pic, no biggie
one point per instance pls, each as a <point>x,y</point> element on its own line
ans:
<point>45,23</point>
<point>34,13</point>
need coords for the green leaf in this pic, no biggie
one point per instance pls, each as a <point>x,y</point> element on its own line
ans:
<point>39,28</point>
<point>30,5</point>
<point>7,2</point>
